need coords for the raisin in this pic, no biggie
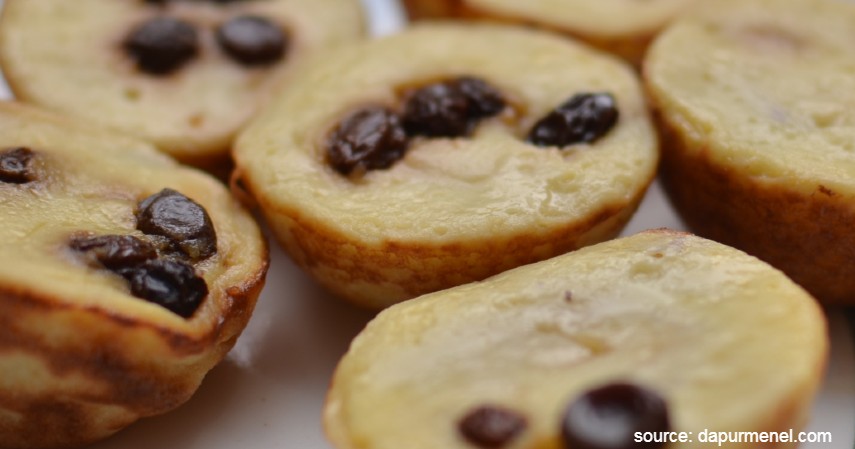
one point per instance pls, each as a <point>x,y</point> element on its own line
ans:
<point>115,251</point>
<point>252,40</point>
<point>484,100</point>
<point>609,417</point>
<point>491,427</point>
<point>375,137</point>
<point>162,45</point>
<point>450,108</point>
<point>584,118</point>
<point>171,284</point>
<point>371,139</point>
<point>437,110</point>
<point>16,165</point>
<point>181,220</point>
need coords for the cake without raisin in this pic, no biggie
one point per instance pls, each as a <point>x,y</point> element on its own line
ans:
<point>124,278</point>
<point>183,74</point>
<point>755,102</point>
<point>658,332</point>
<point>387,176</point>
<point>622,27</point>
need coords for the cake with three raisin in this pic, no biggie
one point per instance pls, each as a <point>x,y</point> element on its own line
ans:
<point>387,176</point>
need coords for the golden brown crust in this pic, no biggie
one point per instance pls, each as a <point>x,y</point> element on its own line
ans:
<point>418,10</point>
<point>131,388</point>
<point>401,270</point>
<point>630,48</point>
<point>808,237</point>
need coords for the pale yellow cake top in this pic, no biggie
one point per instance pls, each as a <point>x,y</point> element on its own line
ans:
<point>90,182</point>
<point>765,87</point>
<point>67,55</point>
<point>727,341</point>
<point>444,190</point>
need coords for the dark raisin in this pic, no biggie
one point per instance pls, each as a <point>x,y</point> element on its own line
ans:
<point>370,139</point>
<point>484,100</point>
<point>491,427</point>
<point>115,251</point>
<point>15,165</point>
<point>437,110</point>
<point>252,40</point>
<point>608,418</point>
<point>183,221</point>
<point>450,108</point>
<point>162,45</point>
<point>168,283</point>
<point>584,118</point>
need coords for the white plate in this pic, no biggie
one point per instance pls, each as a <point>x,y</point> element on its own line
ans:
<point>269,392</point>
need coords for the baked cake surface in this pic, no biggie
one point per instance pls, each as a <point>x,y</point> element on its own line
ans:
<point>683,334</point>
<point>183,74</point>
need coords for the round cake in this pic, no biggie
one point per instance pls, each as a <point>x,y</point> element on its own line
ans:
<point>183,74</point>
<point>622,27</point>
<point>426,160</point>
<point>754,99</point>
<point>659,332</point>
<point>124,278</point>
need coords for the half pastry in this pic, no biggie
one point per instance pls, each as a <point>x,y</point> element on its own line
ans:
<point>124,278</point>
<point>425,160</point>
<point>659,332</point>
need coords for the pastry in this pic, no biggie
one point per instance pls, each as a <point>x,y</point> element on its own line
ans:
<point>426,160</point>
<point>123,279</point>
<point>622,27</point>
<point>659,332</point>
<point>183,74</point>
<point>754,98</point>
